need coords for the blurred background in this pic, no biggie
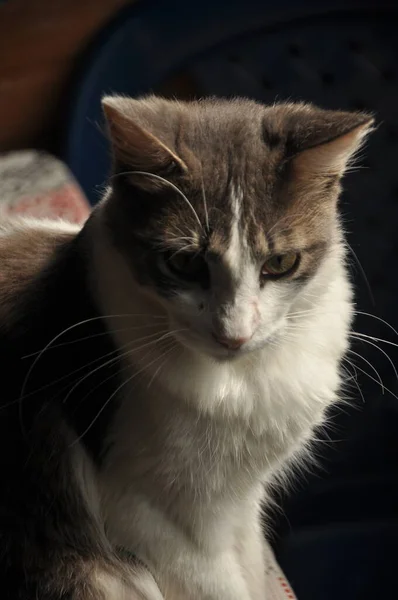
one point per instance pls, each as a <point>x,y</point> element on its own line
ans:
<point>336,532</point>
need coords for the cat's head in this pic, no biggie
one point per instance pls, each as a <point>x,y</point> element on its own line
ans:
<point>225,210</point>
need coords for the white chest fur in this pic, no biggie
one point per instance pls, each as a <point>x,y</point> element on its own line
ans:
<point>204,434</point>
<point>194,442</point>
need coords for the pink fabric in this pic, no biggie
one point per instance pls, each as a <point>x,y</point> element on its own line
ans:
<point>66,203</point>
<point>40,185</point>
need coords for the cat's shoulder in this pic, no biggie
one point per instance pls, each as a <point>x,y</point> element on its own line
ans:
<point>27,245</point>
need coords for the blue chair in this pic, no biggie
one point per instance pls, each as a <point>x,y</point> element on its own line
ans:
<point>336,536</point>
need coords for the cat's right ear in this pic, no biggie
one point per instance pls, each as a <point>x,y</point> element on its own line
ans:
<point>134,148</point>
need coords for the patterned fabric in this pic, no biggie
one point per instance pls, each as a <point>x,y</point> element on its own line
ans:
<point>277,585</point>
<point>39,185</point>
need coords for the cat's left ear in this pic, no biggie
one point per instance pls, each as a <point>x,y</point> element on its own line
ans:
<point>333,143</point>
<point>131,125</point>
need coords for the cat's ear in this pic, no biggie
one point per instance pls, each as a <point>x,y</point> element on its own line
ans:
<point>135,147</point>
<point>330,142</point>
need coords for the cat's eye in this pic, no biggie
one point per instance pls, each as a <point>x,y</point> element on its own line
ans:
<point>280,264</point>
<point>186,265</point>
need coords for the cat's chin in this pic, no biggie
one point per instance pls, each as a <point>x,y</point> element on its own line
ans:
<point>198,345</point>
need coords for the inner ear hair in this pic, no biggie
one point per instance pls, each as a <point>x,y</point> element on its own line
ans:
<point>331,157</point>
<point>137,149</point>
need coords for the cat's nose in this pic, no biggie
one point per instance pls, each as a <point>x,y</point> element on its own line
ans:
<point>231,343</point>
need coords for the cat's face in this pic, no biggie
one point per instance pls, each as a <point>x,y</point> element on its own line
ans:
<point>230,212</point>
<point>228,292</point>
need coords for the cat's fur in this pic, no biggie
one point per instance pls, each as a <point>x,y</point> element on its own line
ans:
<point>145,432</point>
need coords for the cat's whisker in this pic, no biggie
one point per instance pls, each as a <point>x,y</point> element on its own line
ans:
<point>48,385</point>
<point>183,238</point>
<point>384,388</point>
<point>117,390</point>
<point>304,313</point>
<point>178,229</point>
<point>353,377</point>
<point>166,355</point>
<point>161,345</point>
<point>298,327</point>
<point>92,319</point>
<point>375,339</point>
<point>178,235</point>
<point>371,366</point>
<point>167,182</point>
<point>108,363</point>
<point>120,355</point>
<point>50,343</point>
<point>308,312</point>
<point>299,313</point>
<point>378,348</point>
<point>366,314</point>
<point>183,249</point>
<point>205,202</point>
<point>117,373</point>
<point>95,335</point>
<point>353,169</point>
<point>362,270</point>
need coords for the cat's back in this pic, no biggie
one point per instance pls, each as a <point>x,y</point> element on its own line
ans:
<point>26,246</point>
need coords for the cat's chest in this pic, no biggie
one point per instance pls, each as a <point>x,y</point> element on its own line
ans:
<point>263,426</point>
<point>180,448</point>
<point>223,431</point>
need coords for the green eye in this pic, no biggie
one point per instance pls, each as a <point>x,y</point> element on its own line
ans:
<point>280,264</point>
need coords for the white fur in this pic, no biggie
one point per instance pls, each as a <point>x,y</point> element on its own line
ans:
<point>196,439</point>
<point>138,585</point>
<point>23,225</point>
<point>241,318</point>
<point>233,255</point>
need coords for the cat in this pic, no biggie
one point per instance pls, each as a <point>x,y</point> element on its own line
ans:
<point>164,363</point>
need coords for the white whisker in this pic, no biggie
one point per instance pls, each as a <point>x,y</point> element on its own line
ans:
<point>121,370</point>
<point>205,202</point>
<point>169,183</point>
<point>121,355</point>
<point>359,312</point>
<point>362,270</point>
<point>375,339</point>
<point>183,249</point>
<point>376,381</point>
<point>166,354</point>
<point>371,366</point>
<point>380,350</point>
<point>354,377</point>
<point>48,385</point>
<point>121,386</point>
<point>95,335</point>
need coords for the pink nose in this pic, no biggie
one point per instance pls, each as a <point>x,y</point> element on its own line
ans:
<point>231,343</point>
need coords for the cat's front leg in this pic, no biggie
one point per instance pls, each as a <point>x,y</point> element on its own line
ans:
<point>197,577</point>
<point>184,568</point>
<point>250,544</point>
<point>234,572</point>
